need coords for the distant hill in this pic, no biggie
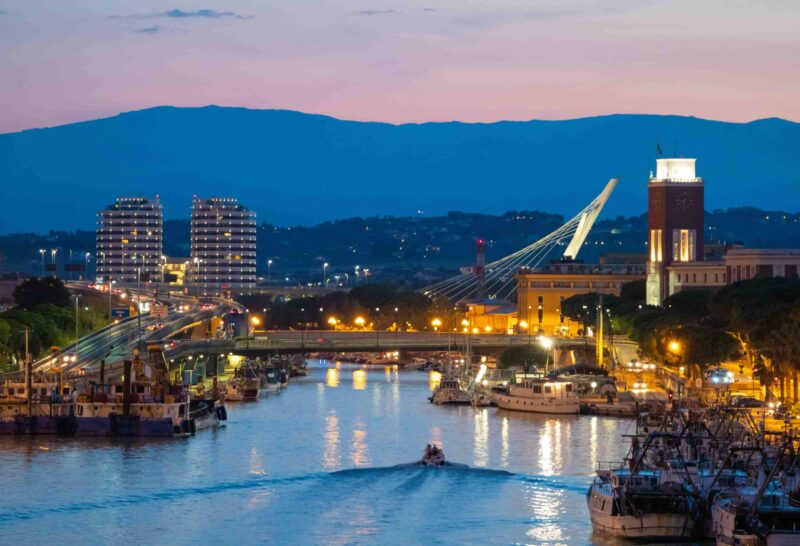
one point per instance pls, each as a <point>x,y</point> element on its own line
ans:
<point>397,247</point>
<point>296,168</point>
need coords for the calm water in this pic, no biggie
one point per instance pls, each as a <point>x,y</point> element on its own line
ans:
<point>314,465</point>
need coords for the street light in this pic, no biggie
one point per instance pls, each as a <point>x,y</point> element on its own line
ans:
<point>465,325</point>
<point>359,322</point>
<point>325,275</point>
<point>87,264</point>
<point>53,252</point>
<point>524,325</point>
<point>269,272</point>
<point>674,346</point>
<point>41,253</point>
<point>332,321</point>
<point>436,323</point>
<point>547,343</point>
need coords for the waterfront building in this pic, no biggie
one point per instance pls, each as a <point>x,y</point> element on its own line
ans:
<point>223,243</point>
<point>129,240</point>
<point>678,258</point>
<point>675,216</point>
<point>736,264</point>
<point>540,292</point>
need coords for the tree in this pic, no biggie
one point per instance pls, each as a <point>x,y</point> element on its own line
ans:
<point>32,292</point>
<point>526,356</point>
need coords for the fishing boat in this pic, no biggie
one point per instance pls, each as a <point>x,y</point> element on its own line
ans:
<point>641,504</point>
<point>451,392</point>
<point>133,409</point>
<point>270,379</point>
<point>243,389</point>
<point>51,410</point>
<point>756,518</point>
<point>538,395</point>
<point>207,413</point>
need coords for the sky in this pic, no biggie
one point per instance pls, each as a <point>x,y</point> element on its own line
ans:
<point>400,61</point>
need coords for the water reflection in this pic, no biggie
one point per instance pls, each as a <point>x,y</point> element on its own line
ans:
<point>481,437</point>
<point>359,455</point>
<point>359,380</point>
<point>331,457</point>
<point>504,441</point>
<point>332,377</point>
<point>546,449</point>
<point>434,379</point>
<point>256,464</point>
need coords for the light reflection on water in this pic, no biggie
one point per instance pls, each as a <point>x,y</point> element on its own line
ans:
<point>276,461</point>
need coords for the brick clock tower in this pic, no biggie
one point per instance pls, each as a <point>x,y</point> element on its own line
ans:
<point>675,218</point>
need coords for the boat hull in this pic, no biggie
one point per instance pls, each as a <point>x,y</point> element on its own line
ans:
<point>535,405</point>
<point>646,527</point>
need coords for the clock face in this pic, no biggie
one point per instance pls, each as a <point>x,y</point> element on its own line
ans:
<point>683,200</point>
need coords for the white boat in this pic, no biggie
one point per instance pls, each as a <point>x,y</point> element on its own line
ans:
<point>747,519</point>
<point>539,396</point>
<point>432,456</point>
<point>643,505</point>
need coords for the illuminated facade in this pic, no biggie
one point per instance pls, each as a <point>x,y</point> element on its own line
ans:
<point>223,243</point>
<point>540,293</point>
<point>675,218</point>
<point>129,240</point>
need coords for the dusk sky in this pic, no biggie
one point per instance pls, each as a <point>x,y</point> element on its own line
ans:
<point>401,61</point>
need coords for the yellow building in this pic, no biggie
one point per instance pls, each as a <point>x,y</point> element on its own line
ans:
<point>489,316</point>
<point>541,291</point>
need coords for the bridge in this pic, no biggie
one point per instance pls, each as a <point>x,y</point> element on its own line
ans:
<point>329,341</point>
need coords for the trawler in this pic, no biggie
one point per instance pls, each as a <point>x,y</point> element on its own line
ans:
<point>539,395</point>
<point>643,503</point>
<point>52,410</point>
<point>243,389</point>
<point>451,392</point>
<point>757,518</point>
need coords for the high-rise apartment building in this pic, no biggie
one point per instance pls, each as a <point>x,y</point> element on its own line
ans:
<point>129,240</point>
<point>223,240</point>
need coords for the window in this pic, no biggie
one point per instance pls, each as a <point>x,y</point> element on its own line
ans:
<point>684,245</point>
<point>537,389</point>
<point>548,389</point>
<point>655,245</point>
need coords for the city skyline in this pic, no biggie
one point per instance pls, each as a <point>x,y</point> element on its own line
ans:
<point>401,61</point>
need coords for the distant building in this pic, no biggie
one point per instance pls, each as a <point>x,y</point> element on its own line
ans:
<point>737,264</point>
<point>488,315</point>
<point>540,292</point>
<point>129,240</point>
<point>675,216</point>
<point>678,258</point>
<point>223,243</point>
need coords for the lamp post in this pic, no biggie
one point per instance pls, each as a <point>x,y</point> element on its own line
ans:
<point>358,267</point>
<point>86,268</point>
<point>325,275</point>
<point>396,326</point>
<point>269,272</point>
<point>53,252</point>
<point>377,330</point>
<point>41,254</point>
<point>547,343</point>
<point>525,326</point>
<point>77,339</point>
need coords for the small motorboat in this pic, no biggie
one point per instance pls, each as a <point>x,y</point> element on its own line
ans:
<point>432,456</point>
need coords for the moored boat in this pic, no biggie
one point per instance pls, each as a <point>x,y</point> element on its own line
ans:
<point>538,395</point>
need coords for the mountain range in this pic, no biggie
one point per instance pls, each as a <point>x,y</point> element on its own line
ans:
<point>295,168</point>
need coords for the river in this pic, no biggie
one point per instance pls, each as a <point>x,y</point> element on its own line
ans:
<point>315,464</point>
